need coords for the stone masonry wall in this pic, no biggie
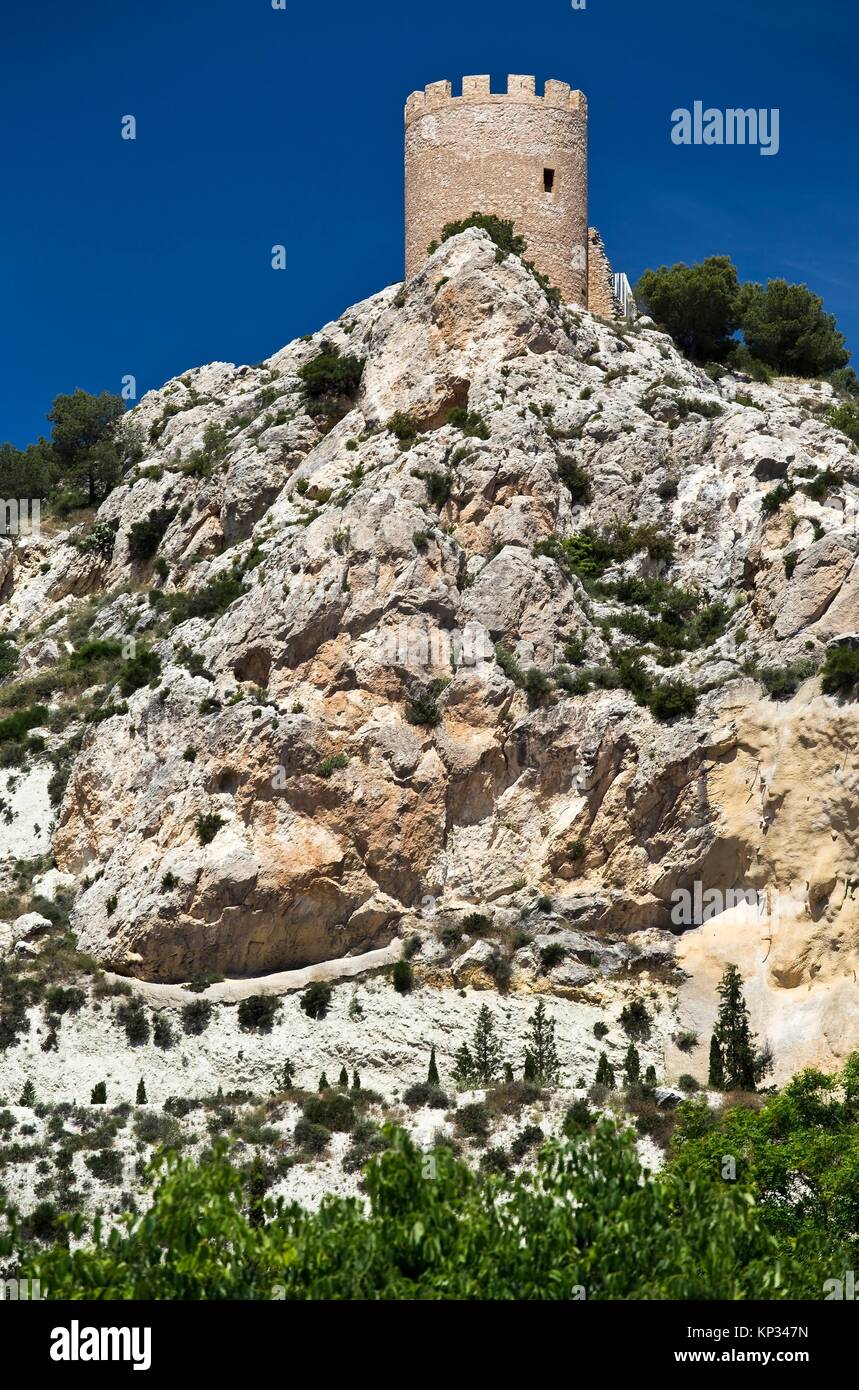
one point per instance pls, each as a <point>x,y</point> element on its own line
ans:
<point>601,298</point>
<point>516,155</point>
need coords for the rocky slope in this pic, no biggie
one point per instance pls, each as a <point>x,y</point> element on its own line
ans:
<point>268,801</point>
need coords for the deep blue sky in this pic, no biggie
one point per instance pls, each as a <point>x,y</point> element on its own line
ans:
<point>258,126</point>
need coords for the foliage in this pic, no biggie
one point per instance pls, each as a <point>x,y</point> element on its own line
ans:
<point>329,377</point>
<point>316,999</point>
<point>258,1012</point>
<point>697,304</point>
<point>735,1055</point>
<point>402,977</point>
<point>497,228</point>
<point>787,327</point>
<point>541,1054</point>
<point>840,673</point>
<point>144,537</point>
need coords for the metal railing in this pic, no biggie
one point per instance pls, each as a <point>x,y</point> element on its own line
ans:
<point>624,296</point>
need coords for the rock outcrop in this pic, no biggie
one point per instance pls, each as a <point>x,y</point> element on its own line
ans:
<point>298,783</point>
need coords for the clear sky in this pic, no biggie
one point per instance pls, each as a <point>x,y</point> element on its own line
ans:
<point>259,126</point>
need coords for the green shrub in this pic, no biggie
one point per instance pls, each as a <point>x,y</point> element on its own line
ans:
<point>329,377</point>
<point>403,426</point>
<point>313,1139</point>
<point>196,1016</point>
<point>207,827</point>
<point>316,999</point>
<point>332,1109</point>
<point>783,681</point>
<point>332,764</point>
<point>472,425</point>
<point>422,708</point>
<point>846,419</point>
<point>106,1165</point>
<point>258,1012</point>
<point>137,671</point>
<point>403,977</point>
<point>840,671</point>
<point>424,1093</point>
<point>144,537</point>
<point>635,1020</point>
<point>133,1017</point>
<point>498,228</point>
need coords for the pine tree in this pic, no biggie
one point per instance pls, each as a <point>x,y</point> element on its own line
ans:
<point>508,1074</point>
<point>323,1082</point>
<point>650,1076</point>
<point>529,1068</point>
<point>141,1093</point>
<point>356,1081</point>
<point>487,1051</point>
<point>463,1067</point>
<point>743,1065</point>
<point>432,1074</point>
<point>28,1094</point>
<point>632,1065</point>
<point>605,1073</point>
<point>343,1078</point>
<point>541,1048</point>
<point>98,1095</point>
<point>286,1080</point>
<point>716,1078</point>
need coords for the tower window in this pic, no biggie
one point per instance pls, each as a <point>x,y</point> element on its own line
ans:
<point>548,180</point>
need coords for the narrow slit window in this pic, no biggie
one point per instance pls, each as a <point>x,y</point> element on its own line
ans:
<point>548,180</point>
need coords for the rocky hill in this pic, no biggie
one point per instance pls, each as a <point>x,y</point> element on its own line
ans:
<point>489,657</point>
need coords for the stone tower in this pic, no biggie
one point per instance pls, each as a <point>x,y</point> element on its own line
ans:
<point>517,155</point>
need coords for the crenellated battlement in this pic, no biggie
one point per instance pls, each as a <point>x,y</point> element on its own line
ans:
<point>520,90</point>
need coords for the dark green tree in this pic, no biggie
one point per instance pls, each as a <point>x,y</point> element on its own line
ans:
<point>716,1077</point>
<point>323,1082</point>
<point>787,327</point>
<point>697,304</point>
<point>432,1073</point>
<point>486,1048</point>
<point>83,441</point>
<point>464,1073</point>
<point>28,1094</point>
<point>632,1065</point>
<point>343,1078</point>
<point>98,1095</point>
<point>605,1073</point>
<point>541,1054</point>
<point>140,1098</point>
<point>356,1081</point>
<point>744,1066</point>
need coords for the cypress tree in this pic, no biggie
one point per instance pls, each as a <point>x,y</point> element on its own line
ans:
<point>605,1073</point>
<point>541,1048</point>
<point>323,1082</point>
<point>463,1067</point>
<point>632,1065</point>
<point>487,1051</point>
<point>743,1067</point>
<point>356,1081</point>
<point>141,1093</point>
<point>343,1078</point>
<point>716,1078</point>
<point>28,1094</point>
<point>432,1074</point>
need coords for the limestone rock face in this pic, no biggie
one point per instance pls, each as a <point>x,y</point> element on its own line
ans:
<point>385,719</point>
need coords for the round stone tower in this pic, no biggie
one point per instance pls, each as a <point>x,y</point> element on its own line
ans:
<point>517,155</point>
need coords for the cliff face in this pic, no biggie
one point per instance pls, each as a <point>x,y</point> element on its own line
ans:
<point>365,572</point>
